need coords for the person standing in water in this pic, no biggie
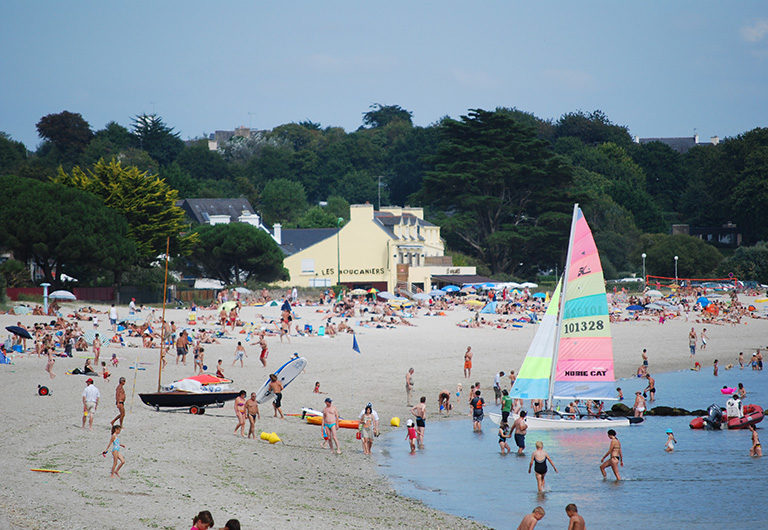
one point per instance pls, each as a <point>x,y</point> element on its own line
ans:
<point>651,388</point>
<point>755,450</point>
<point>477,412</point>
<point>420,412</point>
<point>670,445</point>
<point>520,428</point>
<point>715,368</point>
<point>614,456</point>
<point>540,458</point>
<point>503,435</point>
<point>529,521</point>
<point>639,404</point>
<point>575,521</point>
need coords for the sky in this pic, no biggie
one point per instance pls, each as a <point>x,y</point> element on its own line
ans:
<point>660,68</point>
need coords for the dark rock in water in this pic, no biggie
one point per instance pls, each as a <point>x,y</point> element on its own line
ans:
<point>668,411</point>
<point>699,412</point>
<point>619,409</point>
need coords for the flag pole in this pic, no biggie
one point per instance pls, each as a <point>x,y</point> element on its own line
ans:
<point>162,319</point>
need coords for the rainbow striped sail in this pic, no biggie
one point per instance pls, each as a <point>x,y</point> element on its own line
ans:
<point>533,379</point>
<point>584,368</point>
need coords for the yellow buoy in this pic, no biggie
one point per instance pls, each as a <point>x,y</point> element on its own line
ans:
<point>273,438</point>
<point>395,422</point>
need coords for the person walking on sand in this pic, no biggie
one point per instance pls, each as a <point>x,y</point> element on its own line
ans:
<point>367,428</point>
<point>252,411</point>
<point>113,317</point>
<point>755,450</point>
<point>538,461</point>
<point>575,521</point>
<point>639,405</point>
<point>330,424</point>
<point>114,445</point>
<point>408,386</point>
<point>704,339</point>
<point>181,348</point>
<point>692,342</point>
<point>529,521</point>
<point>91,397</point>
<point>670,445</point>
<point>276,387</point>
<point>468,362</point>
<point>614,456</point>
<point>520,428</point>
<point>120,402</point>
<point>50,362</point>
<point>239,353</point>
<point>264,350</point>
<point>420,412</point>
<point>240,413</point>
<point>497,387</point>
<point>96,349</point>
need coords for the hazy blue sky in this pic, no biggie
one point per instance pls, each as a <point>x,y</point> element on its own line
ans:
<point>662,68</point>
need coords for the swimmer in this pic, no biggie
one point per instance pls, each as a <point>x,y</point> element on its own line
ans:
<point>540,458</point>
<point>670,445</point>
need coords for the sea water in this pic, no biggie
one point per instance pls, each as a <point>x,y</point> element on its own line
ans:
<point>708,481</point>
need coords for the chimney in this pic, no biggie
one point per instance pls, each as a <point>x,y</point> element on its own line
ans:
<point>277,228</point>
<point>715,140</point>
<point>695,138</point>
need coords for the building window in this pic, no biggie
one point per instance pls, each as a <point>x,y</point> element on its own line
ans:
<point>308,266</point>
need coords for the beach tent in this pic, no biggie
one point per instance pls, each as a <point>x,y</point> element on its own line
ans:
<point>4,359</point>
<point>490,307</point>
<point>703,300</point>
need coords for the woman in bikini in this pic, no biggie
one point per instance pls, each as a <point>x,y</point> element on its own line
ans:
<point>538,461</point>
<point>616,457</point>
<point>240,413</point>
<point>756,450</point>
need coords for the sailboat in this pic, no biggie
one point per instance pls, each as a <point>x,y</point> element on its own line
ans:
<point>571,355</point>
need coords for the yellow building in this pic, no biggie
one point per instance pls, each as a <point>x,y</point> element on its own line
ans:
<point>387,249</point>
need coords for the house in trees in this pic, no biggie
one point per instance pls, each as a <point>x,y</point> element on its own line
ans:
<point>222,211</point>
<point>394,248</point>
<point>681,144</point>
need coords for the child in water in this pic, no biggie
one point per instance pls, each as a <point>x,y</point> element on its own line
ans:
<point>411,435</point>
<point>620,393</point>
<point>114,445</point>
<point>503,435</point>
<point>670,445</point>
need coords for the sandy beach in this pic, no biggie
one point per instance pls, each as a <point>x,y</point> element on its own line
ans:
<point>179,464</point>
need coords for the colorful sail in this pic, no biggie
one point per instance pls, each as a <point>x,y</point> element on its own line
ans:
<point>584,368</point>
<point>533,379</point>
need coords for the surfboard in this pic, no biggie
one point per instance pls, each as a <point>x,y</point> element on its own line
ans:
<point>285,374</point>
<point>49,471</point>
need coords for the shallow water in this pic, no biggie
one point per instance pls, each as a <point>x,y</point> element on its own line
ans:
<point>708,481</point>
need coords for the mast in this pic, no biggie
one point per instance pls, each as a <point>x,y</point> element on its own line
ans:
<point>162,319</point>
<point>560,310</point>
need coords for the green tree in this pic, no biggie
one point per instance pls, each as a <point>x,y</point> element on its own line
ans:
<point>152,135</point>
<point>696,259</point>
<point>593,129</point>
<point>146,201</point>
<point>317,217</point>
<point>663,168</point>
<point>15,272</point>
<point>68,131</point>
<point>503,191</point>
<point>237,252</point>
<point>202,163</point>
<point>283,201</point>
<point>338,206</point>
<point>12,154</point>
<point>63,230</point>
<point>747,263</point>
<point>750,197</point>
<point>381,115</point>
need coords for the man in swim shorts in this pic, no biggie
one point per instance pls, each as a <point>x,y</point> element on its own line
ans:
<point>520,428</point>
<point>651,388</point>
<point>120,402</point>
<point>264,349</point>
<point>420,412</point>
<point>477,412</point>
<point>408,386</point>
<point>506,405</point>
<point>468,362</point>
<point>330,424</point>
<point>252,410</point>
<point>276,387</point>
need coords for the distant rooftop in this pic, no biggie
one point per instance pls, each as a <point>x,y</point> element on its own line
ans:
<point>681,144</point>
<point>293,240</point>
<point>200,210</point>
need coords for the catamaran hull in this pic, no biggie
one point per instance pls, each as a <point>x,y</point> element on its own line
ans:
<point>186,399</point>
<point>557,424</point>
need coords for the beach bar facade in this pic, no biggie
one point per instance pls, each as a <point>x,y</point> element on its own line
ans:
<point>394,248</point>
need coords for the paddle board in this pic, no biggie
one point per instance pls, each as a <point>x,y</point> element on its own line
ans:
<point>49,471</point>
<point>285,374</point>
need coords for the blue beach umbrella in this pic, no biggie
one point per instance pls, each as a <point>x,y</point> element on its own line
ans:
<point>703,300</point>
<point>450,288</point>
<point>539,295</point>
<point>635,308</point>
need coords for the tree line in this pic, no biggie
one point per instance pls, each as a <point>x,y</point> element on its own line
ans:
<point>500,183</point>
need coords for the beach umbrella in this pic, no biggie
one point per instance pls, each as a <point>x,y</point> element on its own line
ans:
<point>62,295</point>
<point>21,332</point>
<point>703,300</point>
<point>21,310</point>
<point>450,288</point>
<point>373,290</point>
<point>512,285</point>
<point>475,303</point>
<point>487,285</point>
<point>358,292</point>
<point>422,296</point>
<point>539,295</point>
<point>243,290</point>
<point>654,307</point>
<point>468,289</point>
<point>653,293</point>
<point>635,308</point>
<point>761,300</point>
<point>436,293</point>
<point>227,306</point>
<point>386,295</point>
<point>529,285</point>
